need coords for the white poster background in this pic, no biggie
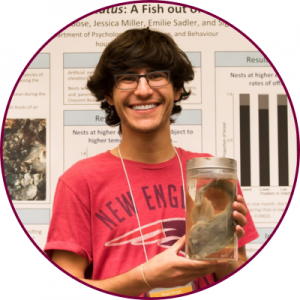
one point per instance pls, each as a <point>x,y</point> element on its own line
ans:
<point>25,26</point>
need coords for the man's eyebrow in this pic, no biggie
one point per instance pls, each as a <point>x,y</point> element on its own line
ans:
<point>130,72</point>
<point>135,71</point>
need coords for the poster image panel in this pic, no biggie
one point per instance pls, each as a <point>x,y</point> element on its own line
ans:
<point>24,158</point>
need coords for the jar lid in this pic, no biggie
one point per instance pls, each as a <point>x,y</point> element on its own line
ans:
<point>211,163</point>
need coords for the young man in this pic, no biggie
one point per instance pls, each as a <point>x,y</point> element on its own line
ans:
<point>123,211</point>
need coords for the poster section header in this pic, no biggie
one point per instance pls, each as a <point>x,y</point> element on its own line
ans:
<point>241,59</point>
<point>42,61</point>
<point>264,233</point>
<point>93,117</point>
<point>90,60</point>
<point>34,216</point>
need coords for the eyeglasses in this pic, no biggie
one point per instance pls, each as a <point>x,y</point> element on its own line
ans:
<point>131,81</point>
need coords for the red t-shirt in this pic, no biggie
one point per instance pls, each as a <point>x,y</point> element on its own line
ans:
<point>93,214</point>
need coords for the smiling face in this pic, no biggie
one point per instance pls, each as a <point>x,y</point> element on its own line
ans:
<point>144,109</point>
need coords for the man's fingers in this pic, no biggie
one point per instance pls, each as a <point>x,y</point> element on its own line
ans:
<point>240,199</point>
<point>239,205</point>
<point>240,208</point>
<point>240,218</point>
<point>180,243</point>
<point>240,232</point>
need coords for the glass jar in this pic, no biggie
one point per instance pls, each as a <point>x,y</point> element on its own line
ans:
<point>210,227</point>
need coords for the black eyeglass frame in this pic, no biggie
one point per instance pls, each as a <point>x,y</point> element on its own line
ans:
<point>145,76</point>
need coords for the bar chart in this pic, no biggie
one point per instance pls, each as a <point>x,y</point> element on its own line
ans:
<point>264,140</point>
<point>254,122</point>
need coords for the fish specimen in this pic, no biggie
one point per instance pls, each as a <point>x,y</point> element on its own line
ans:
<point>211,232</point>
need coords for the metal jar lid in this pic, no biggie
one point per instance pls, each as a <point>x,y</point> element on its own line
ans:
<point>211,163</point>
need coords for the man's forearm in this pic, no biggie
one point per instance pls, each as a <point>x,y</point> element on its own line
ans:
<point>128,284</point>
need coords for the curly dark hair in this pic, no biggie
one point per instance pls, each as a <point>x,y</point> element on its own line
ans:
<point>138,48</point>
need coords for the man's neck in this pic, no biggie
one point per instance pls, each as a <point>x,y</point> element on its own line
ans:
<point>149,148</point>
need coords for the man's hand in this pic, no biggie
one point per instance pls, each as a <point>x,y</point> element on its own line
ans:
<point>239,214</point>
<point>167,269</point>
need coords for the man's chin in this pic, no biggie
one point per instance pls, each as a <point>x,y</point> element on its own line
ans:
<point>145,129</point>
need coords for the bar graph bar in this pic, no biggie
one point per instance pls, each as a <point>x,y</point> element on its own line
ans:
<point>283,161</point>
<point>245,140</point>
<point>264,144</point>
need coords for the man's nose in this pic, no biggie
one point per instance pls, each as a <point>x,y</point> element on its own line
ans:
<point>143,90</point>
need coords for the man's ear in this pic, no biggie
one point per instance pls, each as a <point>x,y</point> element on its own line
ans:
<point>177,94</point>
<point>109,99</point>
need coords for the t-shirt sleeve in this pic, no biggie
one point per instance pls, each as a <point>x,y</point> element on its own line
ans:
<point>70,226</point>
<point>250,230</point>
